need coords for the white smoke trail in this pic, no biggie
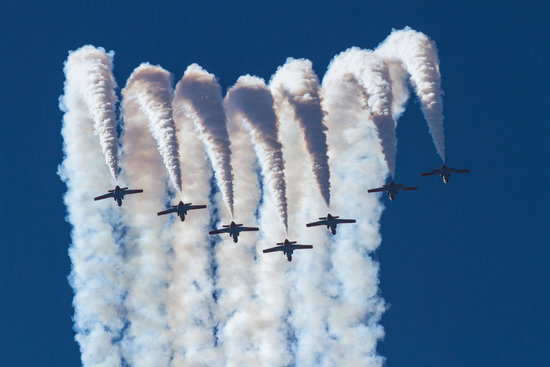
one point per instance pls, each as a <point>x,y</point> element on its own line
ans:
<point>98,89</point>
<point>251,101</point>
<point>192,311</point>
<point>296,83</point>
<point>240,316</point>
<point>371,74</point>
<point>97,263</point>
<point>252,298</point>
<point>146,339</point>
<point>418,55</point>
<point>154,95</point>
<point>309,278</point>
<point>355,157</point>
<point>198,94</point>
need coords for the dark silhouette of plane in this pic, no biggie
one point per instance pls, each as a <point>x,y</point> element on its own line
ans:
<point>181,209</point>
<point>233,230</point>
<point>331,222</point>
<point>392,189</point>
<point>118,194</point>
<point>445,172</point>
<point>287,248</point>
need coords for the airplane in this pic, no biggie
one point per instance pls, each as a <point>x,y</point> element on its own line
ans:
<point>445,172</point>
<point>287,248</point>
<point>181,209</point>
<point>331,222</point>
<point>118,194</point>
<point>233,230</point>
<point>392,189</point>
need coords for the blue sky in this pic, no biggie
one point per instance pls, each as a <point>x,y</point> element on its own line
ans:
<point>464,266</point>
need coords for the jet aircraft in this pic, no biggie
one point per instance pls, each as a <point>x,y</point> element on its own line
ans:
<point>392,189</point>
<point>445,172</point>
<point>118,194</point>
<point>287,248</point>
<point>331,222</point>
<point>181,209</point>
<point>233,230</point>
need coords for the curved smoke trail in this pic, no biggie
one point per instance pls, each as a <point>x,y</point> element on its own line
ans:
<point>296,83</point>
<point>97,84</point>
<point>418,55</point>
<point>198,95</point>
<point>371,75</point>
<point>355,156</point>
<point>147,246</point>
<point>250,100</point>
<point>192,311</point>
<point>152,88</point>
<point>97,264</point>
<point>309,297</point>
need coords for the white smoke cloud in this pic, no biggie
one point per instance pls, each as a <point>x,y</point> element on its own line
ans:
<point>97,264</point>
<point>356,66</point>
<point>307,279</point>
<point>192,311</point>
<point>418,55</point>
<point>198,95</point>
<point>91,69</point>
<point>355,157</point>
<point>152,86</point>
<point>241,310</point>
<point>146,242</point>
<point>153,291</point>
<point>296,83</point>
<point>251,101</point>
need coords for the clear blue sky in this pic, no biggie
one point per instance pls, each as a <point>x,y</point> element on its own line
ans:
<point>464,266</point>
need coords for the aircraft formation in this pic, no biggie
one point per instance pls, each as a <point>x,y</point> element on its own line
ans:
<point>287,247</point>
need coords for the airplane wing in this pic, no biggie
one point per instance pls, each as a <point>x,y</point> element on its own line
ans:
<point>428,173</point>
<point>248,229</point>
<point>345,220</point>
<point>109,195</point>
<point>298,247</point>
<point>377,190</point>
<point>173,210</point>
<point>218,231</point>
<point>126,192</point>
<point>273,249</point>
<point>409,188</point>
<point>191,207</point>
<point>461,170</point>
<point>319,223</point>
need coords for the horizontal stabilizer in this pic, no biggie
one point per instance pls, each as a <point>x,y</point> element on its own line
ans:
<point>226,226</point>
<point>323,218</point>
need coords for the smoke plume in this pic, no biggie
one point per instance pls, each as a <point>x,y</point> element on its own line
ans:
<point>199,96</point>
<point>151,86</point>
<point>91,69</point>
<point>97,263</point>
<point>251,101</point>
<point>296,83</point>
<point>418,55</point>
